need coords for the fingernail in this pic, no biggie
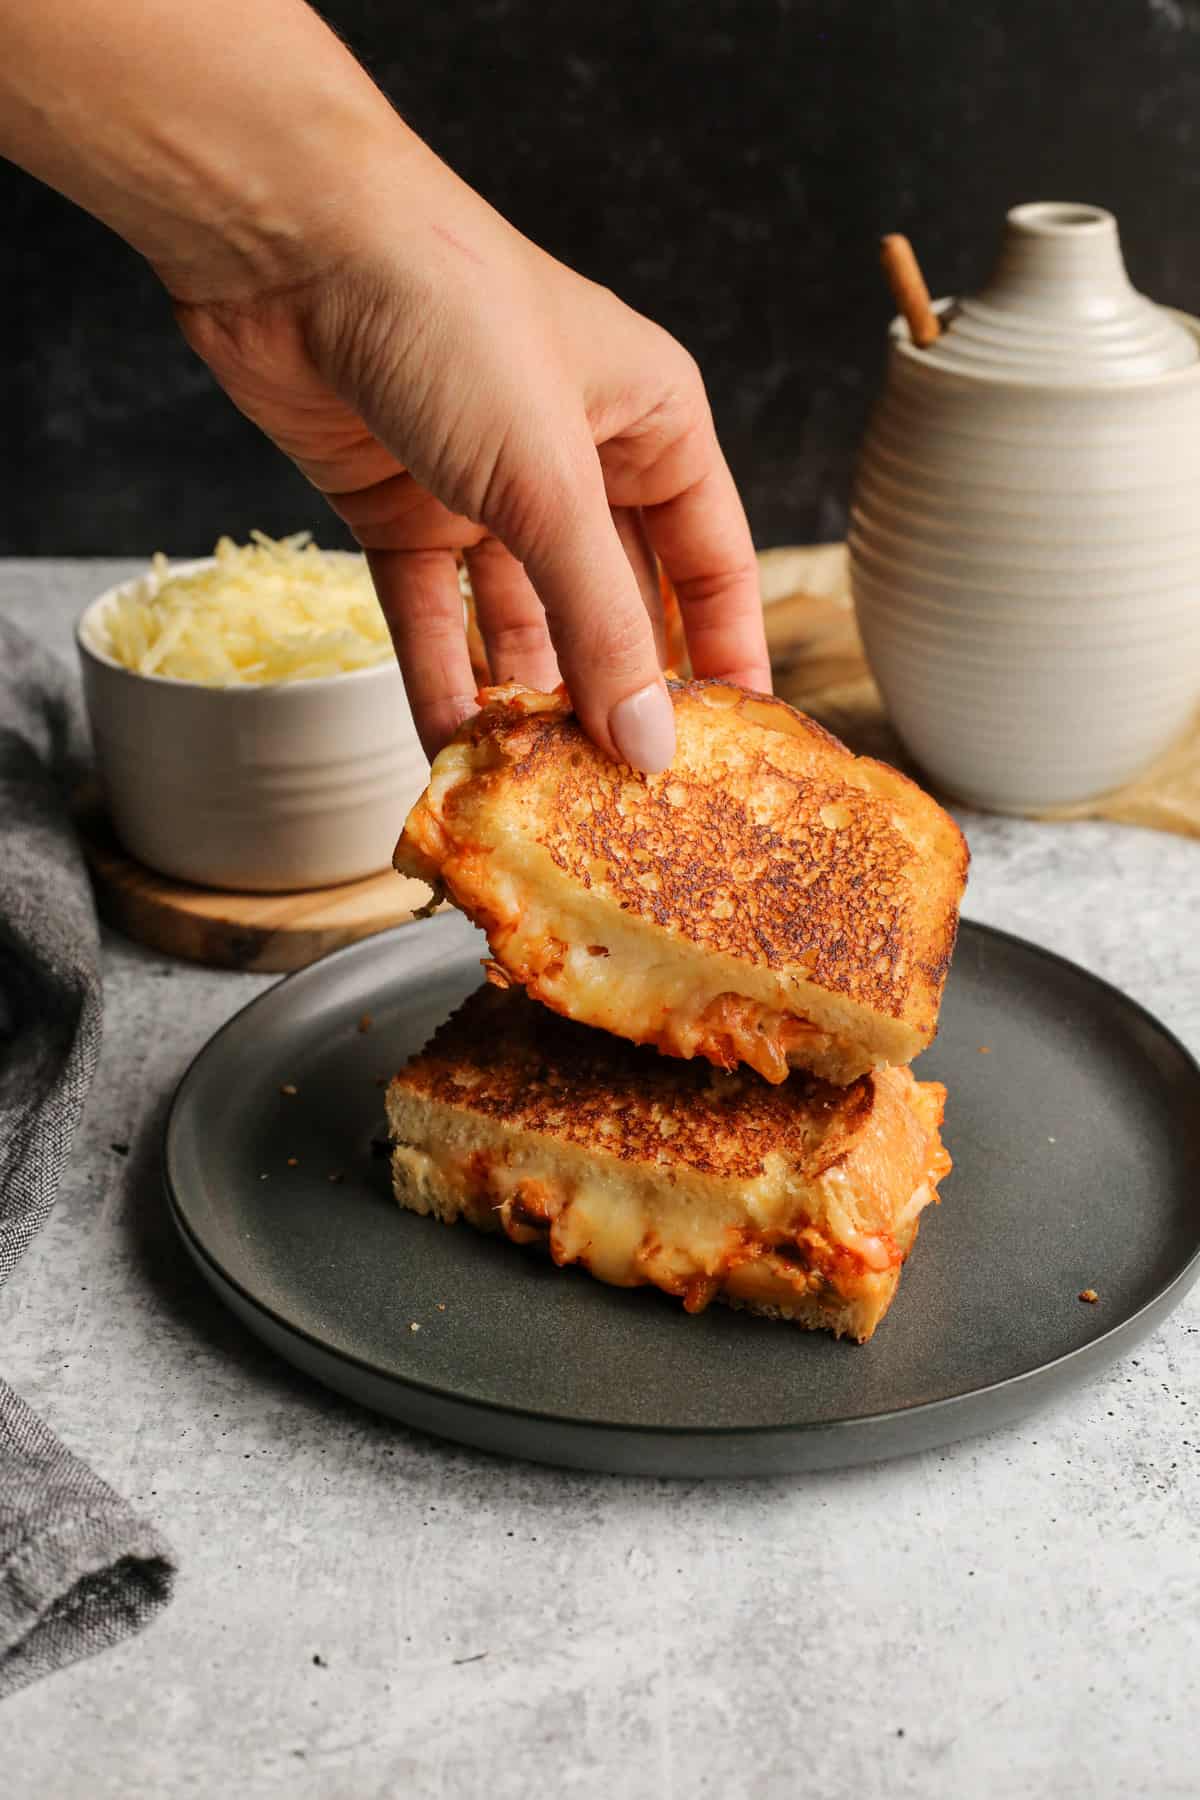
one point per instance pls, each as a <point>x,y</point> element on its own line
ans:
<point>643,728</point>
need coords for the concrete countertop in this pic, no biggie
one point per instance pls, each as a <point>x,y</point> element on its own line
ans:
<point>362,1611</point>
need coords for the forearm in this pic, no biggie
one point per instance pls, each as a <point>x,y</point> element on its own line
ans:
<point>223,140</point>
<point>451,387</point>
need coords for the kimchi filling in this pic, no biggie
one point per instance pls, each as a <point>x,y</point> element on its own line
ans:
<point>527,1208</point>
<point>733,1029</point>
<point>728,1028</point>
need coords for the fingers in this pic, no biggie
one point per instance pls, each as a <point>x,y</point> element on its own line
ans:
<point>598,621</point>
<point>423,605</point>
<point>704,541</point>
<point>396,513</point>
<point>475,647</point>
<point>631,530</point>
<point>511,620</point>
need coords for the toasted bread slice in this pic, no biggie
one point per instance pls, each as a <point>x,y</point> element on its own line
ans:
<point>799,1201</point>
<point>770,899</point>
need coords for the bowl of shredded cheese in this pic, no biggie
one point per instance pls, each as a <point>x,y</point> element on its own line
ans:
<point>249,719</point>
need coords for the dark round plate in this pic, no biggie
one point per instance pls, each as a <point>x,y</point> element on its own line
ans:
<point>1076,1142</point>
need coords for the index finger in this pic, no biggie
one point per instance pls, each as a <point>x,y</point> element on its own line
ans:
<point>422,602</point>
<point>705,545</point>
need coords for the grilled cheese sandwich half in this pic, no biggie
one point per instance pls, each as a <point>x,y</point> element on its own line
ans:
<point>800,1202</point>
<point>770,899</point>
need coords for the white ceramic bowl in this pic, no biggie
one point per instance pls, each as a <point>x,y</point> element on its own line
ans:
<point>264,789</point>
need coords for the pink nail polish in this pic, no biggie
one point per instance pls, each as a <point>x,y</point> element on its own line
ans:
<point>643,729</point>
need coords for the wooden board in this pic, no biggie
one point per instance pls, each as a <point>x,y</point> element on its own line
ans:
<point>271,933</point>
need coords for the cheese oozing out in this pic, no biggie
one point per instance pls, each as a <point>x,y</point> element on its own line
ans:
<point>826,1252</point>
<point>588,959</point>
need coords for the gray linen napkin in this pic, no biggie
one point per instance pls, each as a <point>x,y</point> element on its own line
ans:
<point>78,1568</point>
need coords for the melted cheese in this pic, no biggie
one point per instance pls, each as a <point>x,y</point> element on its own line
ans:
<point>579,953</point>
<point>689,1240</point>
<point>597,965</point>
<point>818,1235</point>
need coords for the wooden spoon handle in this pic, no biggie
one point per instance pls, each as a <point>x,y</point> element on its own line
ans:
<point>907,283</point>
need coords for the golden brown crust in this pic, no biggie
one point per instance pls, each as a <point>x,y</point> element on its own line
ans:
<point>767,843</point>
<point>504,1057</point>
<point>801,1200</point>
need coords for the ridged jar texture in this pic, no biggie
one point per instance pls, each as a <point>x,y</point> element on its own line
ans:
<point>1025,559</point>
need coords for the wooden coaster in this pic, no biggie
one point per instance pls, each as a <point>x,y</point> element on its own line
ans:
<point>269,933</point>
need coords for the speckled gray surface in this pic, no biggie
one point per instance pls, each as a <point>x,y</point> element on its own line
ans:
<point>363,1612</point>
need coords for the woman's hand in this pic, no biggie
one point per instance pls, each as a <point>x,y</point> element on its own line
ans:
<point>453,388</point>
<point>445,383</point>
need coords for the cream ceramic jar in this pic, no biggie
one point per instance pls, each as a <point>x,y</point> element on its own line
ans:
<point>1025,526</point>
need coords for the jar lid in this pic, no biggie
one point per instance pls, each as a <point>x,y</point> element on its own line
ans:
<point>1060,307</point>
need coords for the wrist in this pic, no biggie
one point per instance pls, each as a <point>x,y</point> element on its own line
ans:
<point>253,219</point>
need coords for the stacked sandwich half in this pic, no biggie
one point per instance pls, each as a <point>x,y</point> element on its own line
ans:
<point>688,1066</point>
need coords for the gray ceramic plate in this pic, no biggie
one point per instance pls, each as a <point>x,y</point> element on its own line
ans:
<point>1076,1141</point>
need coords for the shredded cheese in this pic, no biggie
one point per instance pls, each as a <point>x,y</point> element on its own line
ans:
<point>271,610</point>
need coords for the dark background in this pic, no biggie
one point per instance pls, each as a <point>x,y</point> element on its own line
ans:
<point>725,165</point>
